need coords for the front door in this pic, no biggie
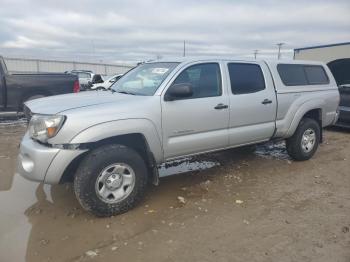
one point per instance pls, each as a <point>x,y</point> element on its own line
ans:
<point>198,123</point>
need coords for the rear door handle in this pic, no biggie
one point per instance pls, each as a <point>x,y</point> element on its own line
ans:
<point>221,106</point>
<point>266,101</point>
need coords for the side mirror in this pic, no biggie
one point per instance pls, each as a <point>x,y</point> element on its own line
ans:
<point>178,91</point>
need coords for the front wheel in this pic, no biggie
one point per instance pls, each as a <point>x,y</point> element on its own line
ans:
<point>110,180</point>
<point>304,142</point>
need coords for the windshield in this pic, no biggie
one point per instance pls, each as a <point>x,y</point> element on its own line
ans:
<point>144,79</point>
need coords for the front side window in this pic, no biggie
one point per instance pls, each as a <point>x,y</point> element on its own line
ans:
<point>144,79</point>
<point>205,79</point>
<point>246,78</point>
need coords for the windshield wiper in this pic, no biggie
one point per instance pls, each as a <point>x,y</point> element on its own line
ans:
<point>125,92</point>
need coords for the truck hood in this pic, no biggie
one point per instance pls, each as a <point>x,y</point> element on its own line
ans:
<point>61,103</point>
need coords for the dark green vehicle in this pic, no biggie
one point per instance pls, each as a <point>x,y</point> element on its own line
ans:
<point>15,89</point>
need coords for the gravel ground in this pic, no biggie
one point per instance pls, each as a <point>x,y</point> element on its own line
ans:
<point>258,206</point>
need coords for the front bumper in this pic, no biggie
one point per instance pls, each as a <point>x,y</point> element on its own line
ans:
<point>41,163</point>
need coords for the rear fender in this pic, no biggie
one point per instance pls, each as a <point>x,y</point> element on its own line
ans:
<point>300,113</point>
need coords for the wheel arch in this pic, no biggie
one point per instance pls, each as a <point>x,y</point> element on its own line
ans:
<point>144,140</point>
<point>308,110</point>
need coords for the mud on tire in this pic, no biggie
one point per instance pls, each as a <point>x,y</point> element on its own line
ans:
<point>90,169</point>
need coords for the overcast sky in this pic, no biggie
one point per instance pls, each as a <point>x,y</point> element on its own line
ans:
<point>113,30</point>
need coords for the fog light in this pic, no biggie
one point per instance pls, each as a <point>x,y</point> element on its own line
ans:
<point>27,163</point>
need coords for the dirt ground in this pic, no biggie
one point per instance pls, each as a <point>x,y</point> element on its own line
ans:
<point>258,206</point>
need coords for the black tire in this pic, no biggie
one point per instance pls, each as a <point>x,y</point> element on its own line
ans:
<point>294,143</point>
<point>90,169</point>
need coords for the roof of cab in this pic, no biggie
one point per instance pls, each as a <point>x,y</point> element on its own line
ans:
<point>243,59</point>
<point>197,58</point>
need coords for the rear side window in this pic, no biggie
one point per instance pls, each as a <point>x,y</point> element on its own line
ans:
<point>316,75</point>
<point>296,75</point>
<point>292,75</point>
<point>246,78</point>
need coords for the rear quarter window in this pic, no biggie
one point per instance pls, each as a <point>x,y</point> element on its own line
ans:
<point>296,75</point>
<point>316,75</point>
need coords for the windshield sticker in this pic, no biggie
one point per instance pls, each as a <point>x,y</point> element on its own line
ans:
<point>159,70</point>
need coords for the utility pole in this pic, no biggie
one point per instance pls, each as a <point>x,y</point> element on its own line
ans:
<point>184,52</point>
<point>255,53</point>
<point>93,50</point>
<point>279,49</point>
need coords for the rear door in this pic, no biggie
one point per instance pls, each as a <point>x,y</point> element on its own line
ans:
<point>198,123</point>
<point>252,103</point>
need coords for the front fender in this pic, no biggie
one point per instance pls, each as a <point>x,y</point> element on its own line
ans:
<point>123,127</point>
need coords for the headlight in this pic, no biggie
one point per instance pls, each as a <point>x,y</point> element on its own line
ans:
<point>43,127</point>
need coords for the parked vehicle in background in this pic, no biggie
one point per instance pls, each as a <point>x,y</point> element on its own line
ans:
<point>107,83</point>
<point>15,89</point>
<point>179,108</point>
<point>341,71</point>
<point>85,77</point>
<point>344,107</point>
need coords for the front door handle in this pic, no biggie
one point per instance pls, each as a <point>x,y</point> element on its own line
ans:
<point>266,101</point>
<point>221,106</point>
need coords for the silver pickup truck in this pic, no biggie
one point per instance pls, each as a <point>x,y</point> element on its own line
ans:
<point>110,143</point>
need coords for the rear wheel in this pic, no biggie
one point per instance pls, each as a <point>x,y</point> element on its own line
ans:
<point>111,180</point>
<point>304,142</point>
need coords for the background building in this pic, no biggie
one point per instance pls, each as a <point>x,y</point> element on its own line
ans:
<point>336,56</point>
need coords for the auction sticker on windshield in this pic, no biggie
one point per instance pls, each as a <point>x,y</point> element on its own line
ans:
<point>159,70</point>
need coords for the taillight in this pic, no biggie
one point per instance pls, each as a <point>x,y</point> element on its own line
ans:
<point>76,86</point>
